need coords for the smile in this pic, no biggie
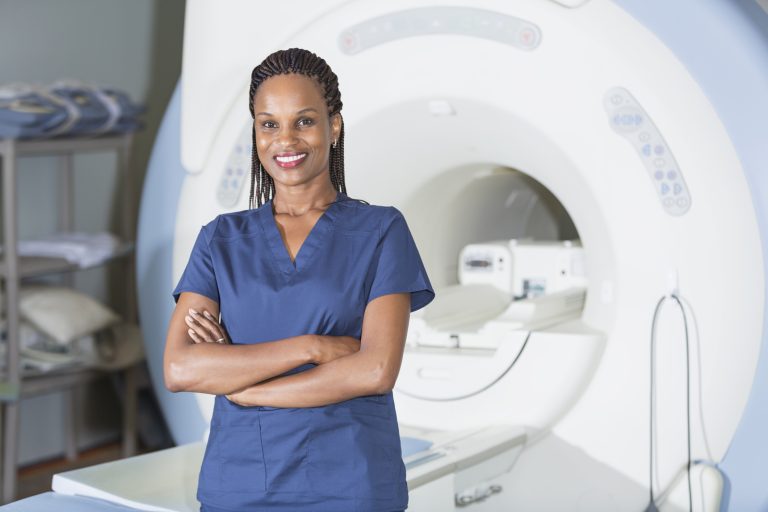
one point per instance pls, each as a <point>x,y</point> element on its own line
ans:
<point>290,159</point>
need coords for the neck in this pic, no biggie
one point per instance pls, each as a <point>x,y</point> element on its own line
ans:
<point>297,205</point>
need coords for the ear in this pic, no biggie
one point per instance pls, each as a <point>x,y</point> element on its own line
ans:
<point>336,126</point>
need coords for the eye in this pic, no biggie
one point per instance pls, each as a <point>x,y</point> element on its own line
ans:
<point>269,124</point>
<point>306,121</point>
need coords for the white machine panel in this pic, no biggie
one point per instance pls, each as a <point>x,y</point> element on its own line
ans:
<point>629,119</point>
<point>469,21</point>
<point>236,173</point>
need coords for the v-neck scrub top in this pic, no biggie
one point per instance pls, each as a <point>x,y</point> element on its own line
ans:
<point>340,457</point>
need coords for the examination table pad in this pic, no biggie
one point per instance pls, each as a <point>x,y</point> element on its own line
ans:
<point>50,501</point>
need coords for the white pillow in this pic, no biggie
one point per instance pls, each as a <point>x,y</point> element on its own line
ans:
<point>63,314</point>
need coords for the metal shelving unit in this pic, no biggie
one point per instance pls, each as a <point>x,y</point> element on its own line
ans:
<point>14,384</point>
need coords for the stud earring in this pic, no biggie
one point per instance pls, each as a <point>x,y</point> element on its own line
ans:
<point>334,144</point>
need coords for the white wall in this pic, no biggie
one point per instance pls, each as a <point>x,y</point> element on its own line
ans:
<point>135,46</point>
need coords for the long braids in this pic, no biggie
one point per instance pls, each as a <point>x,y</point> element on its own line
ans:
<point>303,62</point>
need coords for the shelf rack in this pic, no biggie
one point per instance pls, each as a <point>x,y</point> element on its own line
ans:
<point>14,384</point>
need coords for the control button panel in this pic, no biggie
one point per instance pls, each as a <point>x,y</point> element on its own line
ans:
<point>237,170</point>
<point>468,21</point>
<point>628,118</point>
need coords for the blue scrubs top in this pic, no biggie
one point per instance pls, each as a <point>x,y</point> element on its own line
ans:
<point>340,457</point>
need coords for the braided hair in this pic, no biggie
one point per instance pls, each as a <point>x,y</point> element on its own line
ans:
<point>303,62</point>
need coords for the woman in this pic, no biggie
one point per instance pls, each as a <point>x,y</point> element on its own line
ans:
<point>314,291</point>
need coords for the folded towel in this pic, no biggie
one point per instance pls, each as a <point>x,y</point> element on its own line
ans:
<point>83,249</point>
<point>100,110</point>
<point>67,107</point>
<point>118,346</point>
<point>39,353</point>
<point>27,111</point>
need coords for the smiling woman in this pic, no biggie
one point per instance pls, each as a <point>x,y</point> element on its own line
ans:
<point>294,131</point>
<point>298,312</point>
<point>308,104</point>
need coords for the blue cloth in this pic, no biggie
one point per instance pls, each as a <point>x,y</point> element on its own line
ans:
<point>65,109</point>
<point>340,457</point>
<point>100,110</point>
<point>27,114</point>
<point>411,445</point>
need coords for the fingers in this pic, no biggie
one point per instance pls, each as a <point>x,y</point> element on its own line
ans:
<point>198,332</point>
<point>203,328</point>
<point>222,336</point>
<point>195,337</point>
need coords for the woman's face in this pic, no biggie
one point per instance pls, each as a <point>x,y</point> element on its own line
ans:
<point>293,130</point>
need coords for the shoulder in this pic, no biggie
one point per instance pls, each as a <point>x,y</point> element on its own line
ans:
<point>233,224</point>
<point>359,215</point>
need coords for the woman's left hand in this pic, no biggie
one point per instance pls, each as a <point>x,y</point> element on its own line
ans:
<point>203,328</point>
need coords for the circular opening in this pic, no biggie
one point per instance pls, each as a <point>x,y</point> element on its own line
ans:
<point>479,203</point>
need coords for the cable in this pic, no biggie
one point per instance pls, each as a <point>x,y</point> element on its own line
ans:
<point>484,388</point>
<point>698,366</point>
<point>687,396</point>
<point>652,503</point>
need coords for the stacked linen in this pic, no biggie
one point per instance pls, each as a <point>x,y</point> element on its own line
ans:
<point>61,327</point>
<point>83,249</point>
<point>66,108</point>
<point>39,353</point>
<point>29,112</point>
<point>100,110</point>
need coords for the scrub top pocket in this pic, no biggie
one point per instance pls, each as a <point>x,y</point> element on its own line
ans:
<point>354,450</point>
<point>234,460</point>
<point>285,437</point>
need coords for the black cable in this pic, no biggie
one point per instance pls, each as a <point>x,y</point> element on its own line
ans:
<point>687,396</point>
<point>652,503</point>
<point>473,393</point>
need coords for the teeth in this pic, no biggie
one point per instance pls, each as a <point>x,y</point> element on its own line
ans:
<point>286,159</point>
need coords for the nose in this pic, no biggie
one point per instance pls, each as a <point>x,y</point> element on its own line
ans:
<point>287,136</point>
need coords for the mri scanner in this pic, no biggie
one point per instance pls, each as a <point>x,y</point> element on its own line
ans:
<point>613,147</point>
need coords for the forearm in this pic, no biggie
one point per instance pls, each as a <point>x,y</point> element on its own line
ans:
<point>348,377</point>
<point>222,368</point>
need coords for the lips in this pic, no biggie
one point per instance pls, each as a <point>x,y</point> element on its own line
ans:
<point>289,159</point>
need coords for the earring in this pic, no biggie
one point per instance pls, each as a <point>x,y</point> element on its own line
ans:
<point>334,144</point>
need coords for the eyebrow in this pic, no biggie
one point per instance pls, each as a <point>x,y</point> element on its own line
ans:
<point>308,109</point>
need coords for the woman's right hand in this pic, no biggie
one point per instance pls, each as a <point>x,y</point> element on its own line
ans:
<point>327,348</point>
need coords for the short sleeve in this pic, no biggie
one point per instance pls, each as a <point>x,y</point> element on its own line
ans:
<point>397,265</point>
<point>199,275</point>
